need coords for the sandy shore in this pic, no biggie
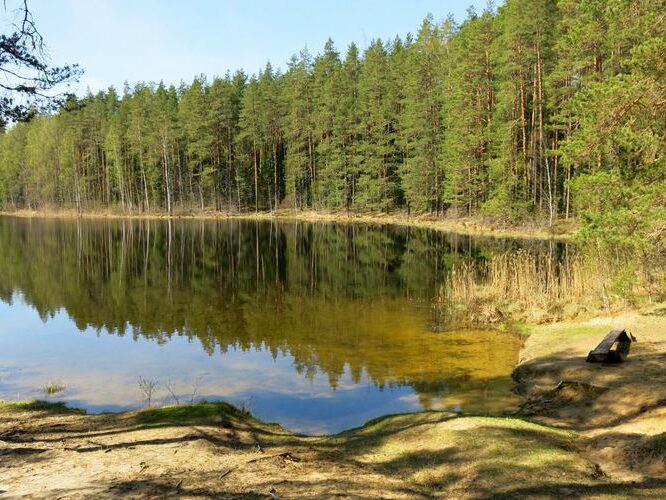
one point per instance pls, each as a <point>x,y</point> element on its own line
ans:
<point>584,430</point>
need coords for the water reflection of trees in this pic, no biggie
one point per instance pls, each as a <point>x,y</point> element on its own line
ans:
<point>332,296</point>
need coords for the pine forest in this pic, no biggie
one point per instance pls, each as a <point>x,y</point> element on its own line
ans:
<point>538,110</point>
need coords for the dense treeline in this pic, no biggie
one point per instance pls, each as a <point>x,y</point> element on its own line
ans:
<point>542,108</point>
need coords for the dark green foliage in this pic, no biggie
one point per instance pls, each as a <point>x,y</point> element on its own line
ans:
<point>421,121</point>
<point>542,109</point>
<point>467,114</point>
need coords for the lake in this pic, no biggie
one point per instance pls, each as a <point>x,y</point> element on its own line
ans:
<point>317,326</point>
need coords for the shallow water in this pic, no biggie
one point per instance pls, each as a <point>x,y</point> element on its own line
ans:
<point>319,327</point>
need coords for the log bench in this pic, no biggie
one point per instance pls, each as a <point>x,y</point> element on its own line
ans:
<point>614,348</point>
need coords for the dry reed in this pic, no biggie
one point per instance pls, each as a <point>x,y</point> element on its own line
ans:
<point>524,286</point>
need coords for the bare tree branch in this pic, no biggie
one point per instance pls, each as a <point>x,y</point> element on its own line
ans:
<point>29,77</point>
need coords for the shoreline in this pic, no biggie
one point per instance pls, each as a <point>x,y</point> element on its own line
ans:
<point>467,226</point>
<point>583,430</point>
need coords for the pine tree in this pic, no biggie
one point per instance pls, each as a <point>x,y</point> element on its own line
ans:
<point>198,139</point>
<point>467,112</point>
<point>421,123</point>
<point>376,184</point>
<point>543,109</point>
<point>348,130</point>
<point>250,137</point>
<point>616,146</point>
<point>525,49</point>
<point>223,114</point>
<point>272,110</point>
<point>326,89</point>
<point>299,160</point>
<point>164,116</point>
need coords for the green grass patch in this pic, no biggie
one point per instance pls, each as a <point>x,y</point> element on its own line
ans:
<point>38,405</point>
<point>185,413</point>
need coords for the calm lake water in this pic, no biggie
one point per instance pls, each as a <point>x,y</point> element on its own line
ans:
<point>319,327</point>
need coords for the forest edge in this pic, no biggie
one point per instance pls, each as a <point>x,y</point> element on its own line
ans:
<point>565,230</point>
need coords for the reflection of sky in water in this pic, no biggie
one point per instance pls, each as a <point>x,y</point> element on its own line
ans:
<point>101,373</point>
<point>347,310</point>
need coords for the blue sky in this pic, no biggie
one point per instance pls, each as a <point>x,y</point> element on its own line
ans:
<point>174,40</point>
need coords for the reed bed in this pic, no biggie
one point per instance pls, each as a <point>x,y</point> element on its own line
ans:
<point>534,287</point>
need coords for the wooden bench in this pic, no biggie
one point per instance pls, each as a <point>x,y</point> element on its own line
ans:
<point>605,353</point>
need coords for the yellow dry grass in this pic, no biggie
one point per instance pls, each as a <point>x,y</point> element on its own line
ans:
<point>471,226</point>
<point>538,288</point>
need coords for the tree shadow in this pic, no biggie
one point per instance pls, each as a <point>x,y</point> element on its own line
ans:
<point>482,470</point>
<point>648,488</point>
<point>589,396</point>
